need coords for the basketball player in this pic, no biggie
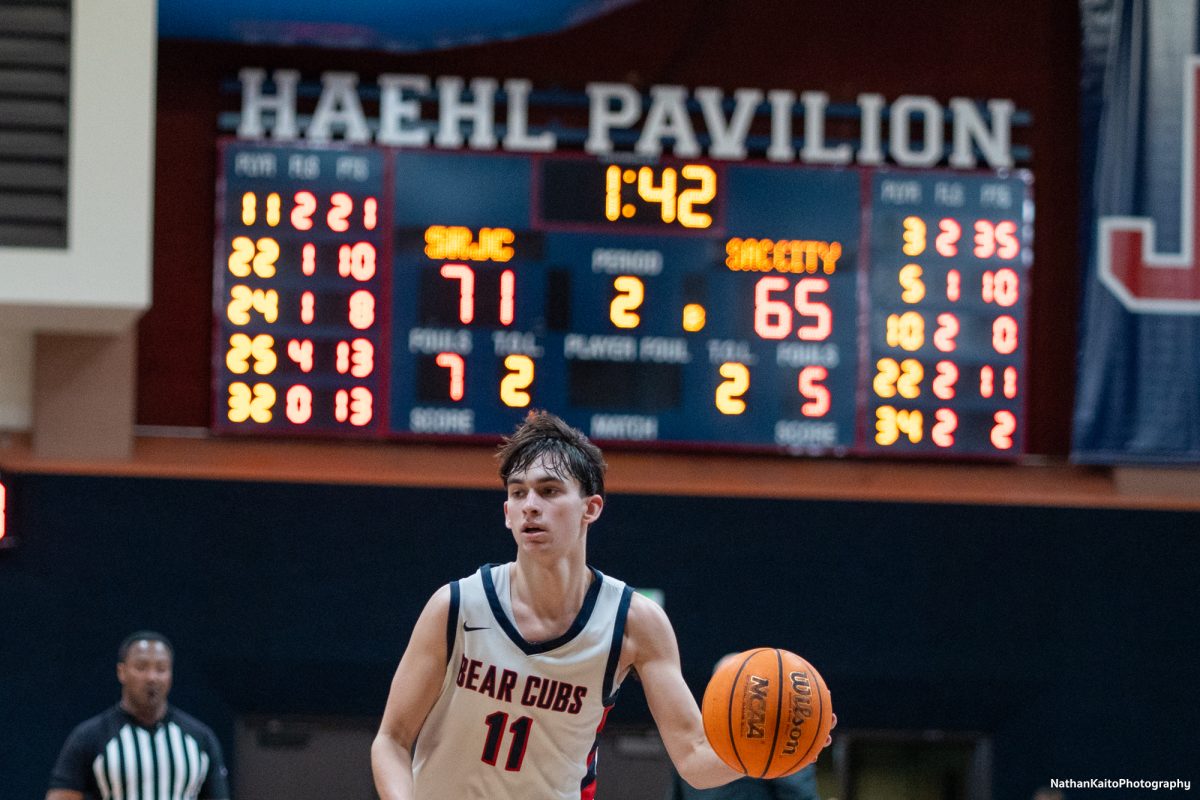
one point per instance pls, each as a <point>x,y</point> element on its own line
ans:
<point>509,673</point>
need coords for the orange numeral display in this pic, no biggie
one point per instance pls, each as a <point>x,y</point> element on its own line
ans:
<point>514,384</point>
<point>249,256</point>
<point>251,403</point>
<point>243,300</point>
<point>891,423</point>
<point>243,350</point>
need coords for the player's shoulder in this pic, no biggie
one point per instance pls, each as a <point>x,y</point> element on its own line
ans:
<point>646,617</point>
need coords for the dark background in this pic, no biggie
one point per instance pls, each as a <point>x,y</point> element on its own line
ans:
<point>1068,636</point>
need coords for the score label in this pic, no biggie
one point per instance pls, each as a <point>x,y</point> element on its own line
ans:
<point>804,309</point>
<point>297,291</point>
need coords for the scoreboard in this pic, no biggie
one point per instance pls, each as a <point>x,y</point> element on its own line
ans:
<point>379,292</point>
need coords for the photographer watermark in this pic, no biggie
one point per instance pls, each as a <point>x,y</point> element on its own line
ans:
<point>1120,783</point>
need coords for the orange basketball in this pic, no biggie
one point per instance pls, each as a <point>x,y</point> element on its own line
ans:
<point>767,712</point>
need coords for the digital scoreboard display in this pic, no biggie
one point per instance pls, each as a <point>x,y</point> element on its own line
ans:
<point>387,293</point>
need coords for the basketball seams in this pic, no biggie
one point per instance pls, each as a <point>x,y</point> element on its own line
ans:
<point>778,714</point>
<point>732,695</point>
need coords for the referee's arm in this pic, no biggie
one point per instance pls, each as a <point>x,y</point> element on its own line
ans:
<point>70,774</point>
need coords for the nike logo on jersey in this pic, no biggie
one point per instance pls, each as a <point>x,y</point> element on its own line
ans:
<point>468,628</point>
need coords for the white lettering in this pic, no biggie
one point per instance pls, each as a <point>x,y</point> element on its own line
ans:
<point>400,115</point>
<point>970,132</point>
<point>899,192</point>
<point>995,195</point>
<point>900,130</point>
<point>920,131</point>
<point>722,350</point>
<point>803,354</point>
<point>438,340</point>
<point>615,261</point>
<point>663,350</point>
<point>623,426</point>
<point>255,165</point>
<point>507,342</point>
<point>668,119</point>
<point>728,138</point>
<point>599,348</point>
<point>441,420</point>
<point>352,168</point>
<point>454,109</point>
<point>282,103</point>
<point>870,148</point>
<point>304,167</point>
<point>815,151</point>
<point>949,194</point>
<point>805,434</point>
<point>782,102</point>
<point>338,106</point>
<point>517,138</point>
<point>612,105</point>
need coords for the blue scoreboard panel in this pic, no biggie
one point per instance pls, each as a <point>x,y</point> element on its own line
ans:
<point>400,293</point>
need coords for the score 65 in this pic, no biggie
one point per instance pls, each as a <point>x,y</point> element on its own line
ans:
<point>773,318</point>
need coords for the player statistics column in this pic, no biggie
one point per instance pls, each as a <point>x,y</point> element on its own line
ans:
<point>296,297</point>
<point>949,264</point>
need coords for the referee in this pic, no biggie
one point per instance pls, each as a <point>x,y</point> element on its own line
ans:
<point>141,748</point>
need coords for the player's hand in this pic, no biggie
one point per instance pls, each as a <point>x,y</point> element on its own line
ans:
<point>829,738</point>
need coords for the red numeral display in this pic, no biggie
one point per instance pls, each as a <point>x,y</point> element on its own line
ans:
<point>353,406</point>
<point>773,318</point>
<point>812,388</point>
<point>299,404</point>
<point>457,367</point>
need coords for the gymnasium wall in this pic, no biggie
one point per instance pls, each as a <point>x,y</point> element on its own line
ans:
<point>1066,635</point>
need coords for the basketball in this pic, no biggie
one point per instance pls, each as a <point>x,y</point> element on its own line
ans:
<point>767,712</point>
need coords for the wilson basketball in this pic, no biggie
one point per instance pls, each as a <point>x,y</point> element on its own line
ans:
<point>767,712</point>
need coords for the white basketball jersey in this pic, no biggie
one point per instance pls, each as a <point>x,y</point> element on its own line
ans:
<point>517,720</point>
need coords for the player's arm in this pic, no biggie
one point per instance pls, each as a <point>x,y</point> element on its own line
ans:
<point>64,794</point>
<point>654,653</point>
<point>415,688</point>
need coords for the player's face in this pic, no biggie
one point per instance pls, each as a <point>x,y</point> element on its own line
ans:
<point>145,675</point>
<point>546,510</point>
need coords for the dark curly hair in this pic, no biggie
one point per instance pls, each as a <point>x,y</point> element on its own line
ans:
<point>568,452</point>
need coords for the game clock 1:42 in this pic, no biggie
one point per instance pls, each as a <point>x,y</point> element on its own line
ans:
<point>663,196</point>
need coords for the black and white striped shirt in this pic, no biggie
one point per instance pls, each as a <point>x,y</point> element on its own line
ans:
<point>114,757</point>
